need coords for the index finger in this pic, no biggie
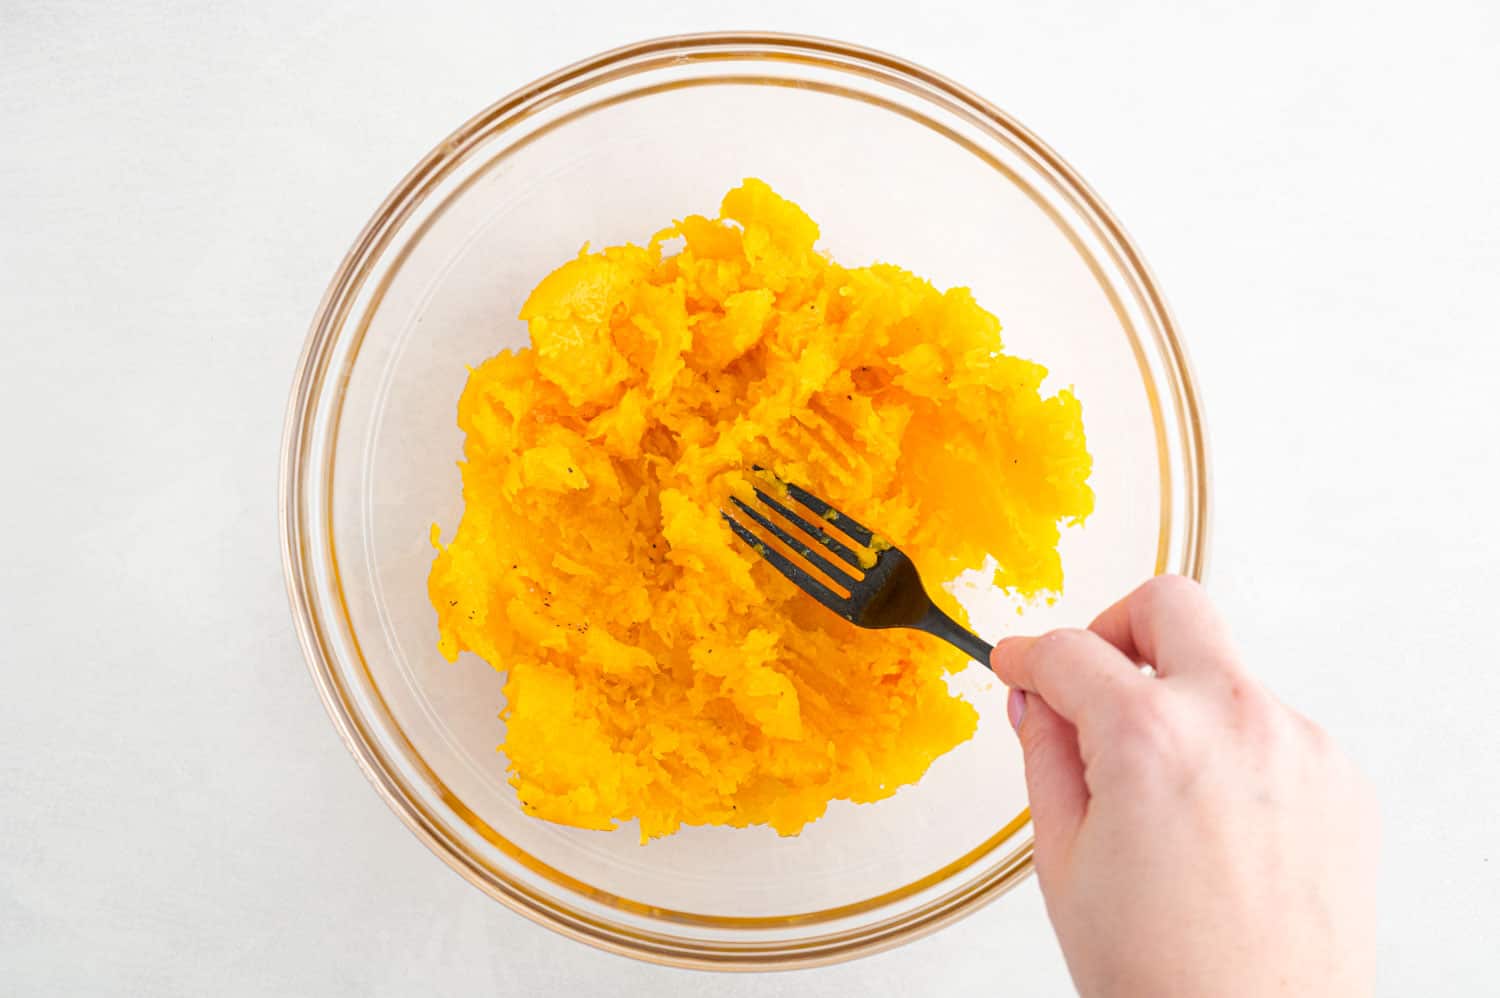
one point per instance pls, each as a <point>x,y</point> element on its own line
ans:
<point>1170,622</point>
<point>1080,675</point>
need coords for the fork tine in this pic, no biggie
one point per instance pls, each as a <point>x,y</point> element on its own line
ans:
<point>841,576</point>
<point>799,577</point>
<point>821,536</point>
<point>842,520</point>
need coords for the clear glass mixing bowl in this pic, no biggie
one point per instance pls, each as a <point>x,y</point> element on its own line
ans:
<point>895,163</point>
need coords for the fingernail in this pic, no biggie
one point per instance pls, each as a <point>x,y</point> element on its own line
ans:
<point>1015,708</point>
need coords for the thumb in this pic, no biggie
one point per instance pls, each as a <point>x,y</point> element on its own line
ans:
<point>1054,778</point>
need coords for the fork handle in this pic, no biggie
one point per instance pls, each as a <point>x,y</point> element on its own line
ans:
<point>938,623</point>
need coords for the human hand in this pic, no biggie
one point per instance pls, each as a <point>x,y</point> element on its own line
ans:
<point>1193,835</point>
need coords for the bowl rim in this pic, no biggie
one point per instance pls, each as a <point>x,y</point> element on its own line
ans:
<point>324,333</point>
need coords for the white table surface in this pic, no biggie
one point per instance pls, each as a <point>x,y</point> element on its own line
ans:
<point>1314,183</point>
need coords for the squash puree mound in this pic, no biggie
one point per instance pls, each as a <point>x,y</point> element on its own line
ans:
<point>657,669</point>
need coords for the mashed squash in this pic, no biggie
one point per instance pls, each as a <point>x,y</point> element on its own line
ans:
<point>656,668</point>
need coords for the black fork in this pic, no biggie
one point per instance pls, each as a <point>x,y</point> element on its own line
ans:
<point>887,592</point>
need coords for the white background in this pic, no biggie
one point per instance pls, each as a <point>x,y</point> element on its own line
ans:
<point>1314,184</point>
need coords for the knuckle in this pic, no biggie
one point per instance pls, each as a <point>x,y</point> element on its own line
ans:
<point>1259,723</point>
<point>1317,738</point>
<point>1251,708</point>
<point>1342,778</point>
<point>1301,735</point>
<point>1171,601</point>
<point>1148,725</point>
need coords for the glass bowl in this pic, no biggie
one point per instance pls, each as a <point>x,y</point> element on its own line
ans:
<point>895,163</point>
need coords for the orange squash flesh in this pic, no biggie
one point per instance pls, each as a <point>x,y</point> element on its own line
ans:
<point>658,670</point>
